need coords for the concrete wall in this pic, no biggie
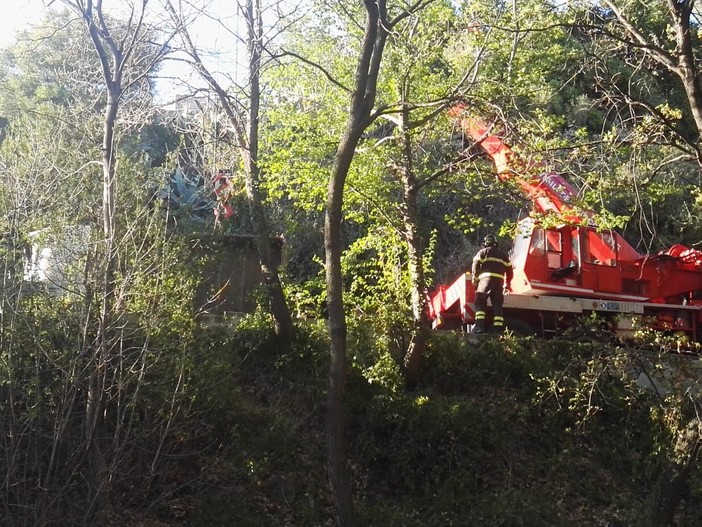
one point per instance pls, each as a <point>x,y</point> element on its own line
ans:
<point>232,275</point>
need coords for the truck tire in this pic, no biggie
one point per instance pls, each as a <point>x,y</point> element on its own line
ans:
<point>519,327</point>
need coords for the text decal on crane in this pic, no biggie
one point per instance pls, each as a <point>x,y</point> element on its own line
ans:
<point>606,306</point>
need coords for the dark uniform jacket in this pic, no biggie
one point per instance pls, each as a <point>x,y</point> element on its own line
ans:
<point>492,262</point>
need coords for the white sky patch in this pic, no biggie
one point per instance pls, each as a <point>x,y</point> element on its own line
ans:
<point>214,32</point>
<point>18,15</point>
<point>216,26</point>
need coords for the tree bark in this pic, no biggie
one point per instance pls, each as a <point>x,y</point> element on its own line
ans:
<point>111,58</point>
<point>336,437</point>
<point>279,307</point>
<point>687,67</point>
<point>673,481</point>
<point>681,61</point>
<point>412,361</point>
<point>115,57</point>
<point>359,117</point>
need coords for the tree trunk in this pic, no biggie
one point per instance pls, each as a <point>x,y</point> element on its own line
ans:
<point>336,437</point>
<point>246,131</point>
<point>111,58</point>
<point>687,67</point>
<point>97,384</point>
<point>672,483</point>
<point>681,61</point>
<point>412,361</point>
<point>362,101</point>
<point>691,82</point>
<point>108,210</point>
<point>271,279</point>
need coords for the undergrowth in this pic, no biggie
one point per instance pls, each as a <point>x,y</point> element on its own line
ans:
<point>500,432</point>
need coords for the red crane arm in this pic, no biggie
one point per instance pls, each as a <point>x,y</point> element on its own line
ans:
<point>546,189</point>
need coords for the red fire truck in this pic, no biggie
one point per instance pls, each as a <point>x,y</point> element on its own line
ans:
<point>574,269</point>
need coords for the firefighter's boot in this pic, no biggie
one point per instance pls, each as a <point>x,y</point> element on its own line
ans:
<point>479,326</point>
<point>498,325</point>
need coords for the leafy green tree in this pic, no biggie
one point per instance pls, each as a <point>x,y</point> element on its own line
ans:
<point>566,95</point>
<point>361,114</point>
<point>419,79</point>
<point>658,38</point>
<point>644,61</point>
<point>126,56</point>
<point>72,364</point>
<point>398,157</point>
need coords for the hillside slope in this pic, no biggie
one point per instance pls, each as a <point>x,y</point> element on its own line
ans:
<point>511,432</point>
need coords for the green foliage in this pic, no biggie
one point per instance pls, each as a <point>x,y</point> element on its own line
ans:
<point>521,49</point>
<point>497,432</point>
<point>378,288</point>
<point>504,432</point>
<point>416,67</point>
<point>263,410</point>
<point>296,151</point>
<point>468,447</point>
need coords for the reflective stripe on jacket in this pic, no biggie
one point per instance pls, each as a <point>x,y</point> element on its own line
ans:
<point>492,262</point>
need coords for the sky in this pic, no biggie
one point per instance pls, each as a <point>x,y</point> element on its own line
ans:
<point>16,16</point>
<point>207,34</point>
<point>22,13</point>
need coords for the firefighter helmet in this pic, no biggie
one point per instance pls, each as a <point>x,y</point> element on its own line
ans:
<point>489,241</point>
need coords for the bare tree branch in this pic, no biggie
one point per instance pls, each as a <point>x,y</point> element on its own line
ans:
<point>315,65</point>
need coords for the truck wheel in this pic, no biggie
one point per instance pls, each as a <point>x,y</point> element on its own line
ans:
<point>519,327</point>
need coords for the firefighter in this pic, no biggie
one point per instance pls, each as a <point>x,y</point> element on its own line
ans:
<point>490,266</point>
